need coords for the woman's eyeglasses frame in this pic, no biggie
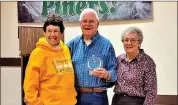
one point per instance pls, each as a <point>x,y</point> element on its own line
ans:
<point>132,40</point>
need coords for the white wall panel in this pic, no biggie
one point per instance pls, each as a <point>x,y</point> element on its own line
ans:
<point>10,86</point>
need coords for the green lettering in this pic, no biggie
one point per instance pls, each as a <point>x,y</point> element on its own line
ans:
<point>104,8</point>
<point>68,5</point>
<point>92,4</point>
<point>58,7</point>
<point>46,5</point>
<point>80,6</point>
<point>112,9</point>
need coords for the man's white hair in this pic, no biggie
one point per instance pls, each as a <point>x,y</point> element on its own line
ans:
<point>86,11</point>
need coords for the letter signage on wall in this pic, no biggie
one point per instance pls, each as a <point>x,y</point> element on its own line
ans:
<point>37,11</point>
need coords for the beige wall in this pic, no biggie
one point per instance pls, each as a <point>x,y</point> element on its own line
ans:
<point>160,42</point>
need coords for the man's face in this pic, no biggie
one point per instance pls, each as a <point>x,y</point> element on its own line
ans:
<point>53,35</point>
<point>89,25</point>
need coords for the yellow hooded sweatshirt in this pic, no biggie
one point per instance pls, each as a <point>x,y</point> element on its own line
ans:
<point>49,76</point>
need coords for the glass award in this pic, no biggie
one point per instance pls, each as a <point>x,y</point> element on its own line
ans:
<point>94,63</point>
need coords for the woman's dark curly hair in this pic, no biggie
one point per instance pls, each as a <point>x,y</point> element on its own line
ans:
<point>56,20</point>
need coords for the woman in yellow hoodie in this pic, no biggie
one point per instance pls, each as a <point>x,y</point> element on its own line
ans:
<point>49,77</point>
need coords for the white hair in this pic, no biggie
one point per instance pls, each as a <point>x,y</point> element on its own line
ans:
<point>88,10</point>
<point>133,29</point>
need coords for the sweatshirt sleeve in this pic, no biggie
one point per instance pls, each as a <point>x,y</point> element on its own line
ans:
<point>31,81</point>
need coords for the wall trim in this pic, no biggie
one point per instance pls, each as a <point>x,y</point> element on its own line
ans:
<point>10,61</point>
<point>166,100</point>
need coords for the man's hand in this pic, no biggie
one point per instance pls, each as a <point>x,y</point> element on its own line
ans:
<point>101,73</point>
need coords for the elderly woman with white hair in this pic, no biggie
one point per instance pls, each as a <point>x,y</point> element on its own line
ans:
<point>136,81</point>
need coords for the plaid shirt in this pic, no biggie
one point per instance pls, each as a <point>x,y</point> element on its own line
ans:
<point>80,53</point>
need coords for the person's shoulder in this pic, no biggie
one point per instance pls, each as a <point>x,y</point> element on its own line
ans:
<point>37,54</point>
<point>104,39</point>
<point>147,58</point>
<point>121,56</point>
<point>78,37</point>
<point>37,51</point>
<point>75,39</point>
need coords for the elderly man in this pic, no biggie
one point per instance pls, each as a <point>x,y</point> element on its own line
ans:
<point>94,61</point>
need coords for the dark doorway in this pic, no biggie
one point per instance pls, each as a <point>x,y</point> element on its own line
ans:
<point>24,64</point>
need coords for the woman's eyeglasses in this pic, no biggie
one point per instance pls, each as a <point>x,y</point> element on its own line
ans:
<point>132,41</point>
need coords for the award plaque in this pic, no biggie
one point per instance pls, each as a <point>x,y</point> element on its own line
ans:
<point>94,63</point>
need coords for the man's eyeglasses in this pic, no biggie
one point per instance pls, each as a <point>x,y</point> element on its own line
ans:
<point>91,22</point>
<point>132,41</point>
